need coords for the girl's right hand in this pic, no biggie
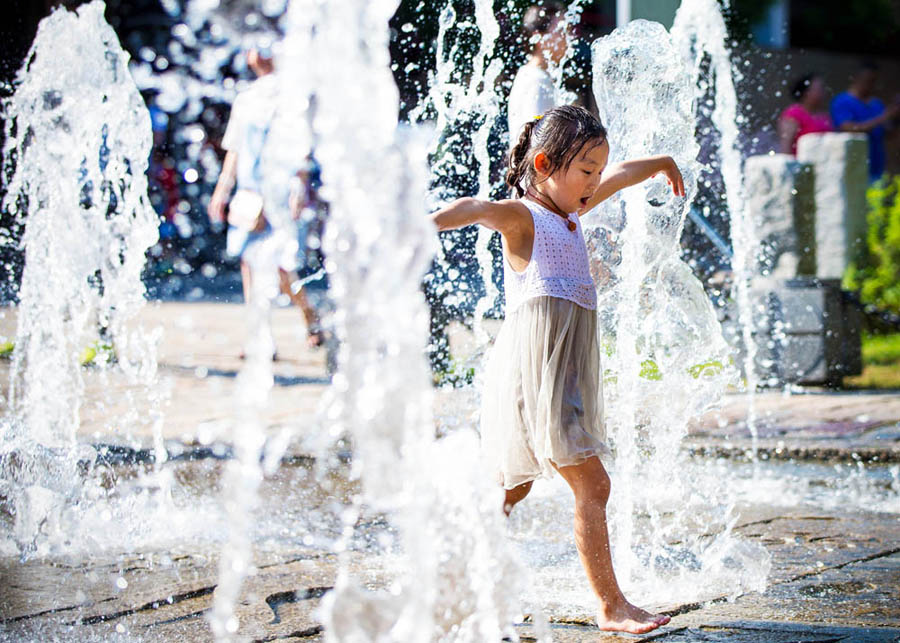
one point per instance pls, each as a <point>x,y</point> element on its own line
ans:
<point>673,176</point>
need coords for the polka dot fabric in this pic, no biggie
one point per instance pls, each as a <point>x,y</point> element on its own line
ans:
<point>559,265</point>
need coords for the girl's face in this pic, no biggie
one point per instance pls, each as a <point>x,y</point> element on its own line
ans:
<point>571,188</point>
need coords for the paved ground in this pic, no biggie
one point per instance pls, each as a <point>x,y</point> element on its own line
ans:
<point>810,424</point>
<point>835,575</point>
<point>199,357</point>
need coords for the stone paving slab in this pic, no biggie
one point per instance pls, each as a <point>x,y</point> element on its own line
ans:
<point>103,597</point>
<point>813,424</point>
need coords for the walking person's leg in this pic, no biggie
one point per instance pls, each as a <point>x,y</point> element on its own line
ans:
<point>591,485</point>
<point>245,280</point>
<point>315,336</point>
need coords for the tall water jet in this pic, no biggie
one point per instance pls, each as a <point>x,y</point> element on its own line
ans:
<point>701,37</point>
<point>558,71</point>
<point>456,570</point>
<point>667,361</point>
<point>481,86</point>
<point>77,148</point>
<point>462,101</point>
<point>282,122</point>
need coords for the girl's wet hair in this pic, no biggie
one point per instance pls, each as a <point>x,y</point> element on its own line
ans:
<point>561,134</point>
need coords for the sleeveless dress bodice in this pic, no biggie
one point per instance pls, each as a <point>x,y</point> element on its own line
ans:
<point>559,265</point>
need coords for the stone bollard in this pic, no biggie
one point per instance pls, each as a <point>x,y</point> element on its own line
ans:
<point>781,202</point>
<point>842,177</point>
<point>806,332</point>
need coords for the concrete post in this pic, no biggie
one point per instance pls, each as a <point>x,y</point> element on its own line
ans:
<point>781,202</point>
<point>842,177</point>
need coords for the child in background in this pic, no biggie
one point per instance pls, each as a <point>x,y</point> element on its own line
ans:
<point>542,403</point>
<point>533,91</point>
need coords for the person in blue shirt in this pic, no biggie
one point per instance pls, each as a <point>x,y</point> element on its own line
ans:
<point>857,110</point>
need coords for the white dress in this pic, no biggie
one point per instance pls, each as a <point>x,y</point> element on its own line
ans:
<point>542,399</point>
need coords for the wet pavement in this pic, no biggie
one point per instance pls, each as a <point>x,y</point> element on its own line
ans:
<point>805,424</point>
<point>835,577</point>
<point>835,569</point>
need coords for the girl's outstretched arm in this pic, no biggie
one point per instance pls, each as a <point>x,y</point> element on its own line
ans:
<point>627,173</point>
<point>504,216</point>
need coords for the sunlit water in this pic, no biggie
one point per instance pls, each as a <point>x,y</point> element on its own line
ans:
<point>424,506</point>
<point>303,508</point>
<point>78,141</point>
<point>703,41</point>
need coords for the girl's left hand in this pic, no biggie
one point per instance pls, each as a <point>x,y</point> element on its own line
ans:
<point>673,176</point>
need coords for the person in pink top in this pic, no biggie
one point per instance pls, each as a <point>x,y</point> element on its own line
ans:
<point>806,116</point>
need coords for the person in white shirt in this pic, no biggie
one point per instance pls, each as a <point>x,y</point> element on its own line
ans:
<point>245,136</point>
<point>533,91</point>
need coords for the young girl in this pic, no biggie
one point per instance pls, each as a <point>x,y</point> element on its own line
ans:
<point>542,405</point>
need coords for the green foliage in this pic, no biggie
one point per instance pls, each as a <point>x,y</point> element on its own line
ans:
<point>650,370</point>
<point>877,273</point>
<point>881,363</point>
<point>711,368</point>
<point>97,352</point>
<point>6,349</point>
<point>456,375</point>
<point>881,349</point>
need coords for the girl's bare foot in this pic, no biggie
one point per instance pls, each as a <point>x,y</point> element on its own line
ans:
<point>625,617</point>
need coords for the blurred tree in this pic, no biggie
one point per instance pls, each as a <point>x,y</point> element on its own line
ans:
<point>857,26</point>
<point>876,275</point>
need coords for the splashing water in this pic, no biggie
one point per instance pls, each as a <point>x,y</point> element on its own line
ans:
<point>463,100</point>
<point>377,244</point>
<point>701,36</point>
<point>557,70</point>
<point>667,361</point>
<point>485,76</point>
<point>286,147</point>
<point>78,142</point>
<point>456,566</point>
<point>457,578</point>
<point>662,344</point>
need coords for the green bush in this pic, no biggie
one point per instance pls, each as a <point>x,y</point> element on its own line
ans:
<point>881,349</point>
<point>877,274</point>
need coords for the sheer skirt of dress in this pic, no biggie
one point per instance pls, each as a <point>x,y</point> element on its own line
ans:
<point>542,400</point>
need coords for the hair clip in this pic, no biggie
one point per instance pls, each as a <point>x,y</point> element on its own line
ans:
<point>538,117</point>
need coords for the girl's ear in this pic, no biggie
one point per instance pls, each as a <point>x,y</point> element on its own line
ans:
<point>541,164</point>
